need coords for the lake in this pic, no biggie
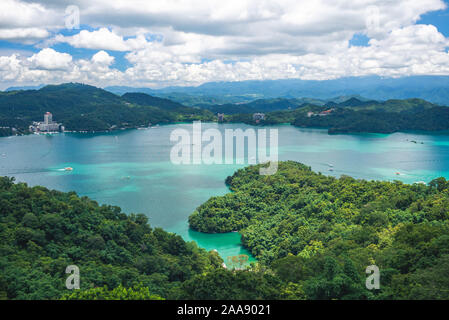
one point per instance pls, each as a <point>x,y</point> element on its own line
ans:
<point>132,168</point>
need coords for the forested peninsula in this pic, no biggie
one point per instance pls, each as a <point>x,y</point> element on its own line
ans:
<point>313,237</point>
<point>356,116</point>
<point>319,233</point>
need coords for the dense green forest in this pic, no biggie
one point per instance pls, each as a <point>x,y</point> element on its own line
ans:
<point>317,234</point>
<point>313,237</point>
<point>261,105</point>
<point>143,99</point>
<point>86,108</point>
<point>43,231</point>
<point>354,115</point>
<point>390,116</point>
<point>120,257</point>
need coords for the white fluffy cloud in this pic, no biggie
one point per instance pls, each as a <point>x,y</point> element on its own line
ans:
<point>26,22</point>
<point>10,68</point>
<point>49,59</point>
<point>26,35</point>
<point>102,39</point>
<point>173,42</point>
<point>102,58</point>
<point>50,66</point>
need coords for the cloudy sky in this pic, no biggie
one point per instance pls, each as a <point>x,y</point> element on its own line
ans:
<point>155,43</point>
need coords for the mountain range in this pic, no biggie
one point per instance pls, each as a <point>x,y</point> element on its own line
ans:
<point>87,108</point>
<point>82,107</point>
<point>431,88</point>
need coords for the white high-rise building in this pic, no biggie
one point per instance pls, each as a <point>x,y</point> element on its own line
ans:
<point>48,118</point>
<point>47,126</point>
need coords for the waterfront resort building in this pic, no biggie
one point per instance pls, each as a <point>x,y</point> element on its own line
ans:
<point>48,125</point>
<point>321,114</point>
<point>259,116</point>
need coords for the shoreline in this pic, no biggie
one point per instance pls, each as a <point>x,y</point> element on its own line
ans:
<point>418,132</point>
<point>214,234</point>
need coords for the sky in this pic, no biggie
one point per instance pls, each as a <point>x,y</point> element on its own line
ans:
<point>157,43</point>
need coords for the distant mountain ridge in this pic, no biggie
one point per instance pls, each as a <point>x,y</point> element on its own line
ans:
<point>81,107</point>
<point>25,88</point>
<point>431,88</point>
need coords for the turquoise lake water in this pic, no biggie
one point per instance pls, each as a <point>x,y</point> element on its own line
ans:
<point>132,168</point>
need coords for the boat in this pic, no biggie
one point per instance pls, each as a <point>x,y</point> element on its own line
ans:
<point>398,173</point>
<point>68,169</point>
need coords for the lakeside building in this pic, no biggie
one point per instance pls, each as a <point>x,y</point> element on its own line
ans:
<point>326,112</point>
<point>220,117</point>
<point>48,125</point>
<point>321,114</point>
<point>259,116</point>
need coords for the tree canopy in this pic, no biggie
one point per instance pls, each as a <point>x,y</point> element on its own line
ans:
<point>318,233</point>
<point>44,231</point>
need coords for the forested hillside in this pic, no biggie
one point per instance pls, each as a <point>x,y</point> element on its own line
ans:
<point>319,233</point>
<point>143,99</point>
<point>354,116</point>
<point>262,105</point>
<point>86,108</point>
<point>313,235</point>
<point>378,121</point>
<point>44,231</point>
